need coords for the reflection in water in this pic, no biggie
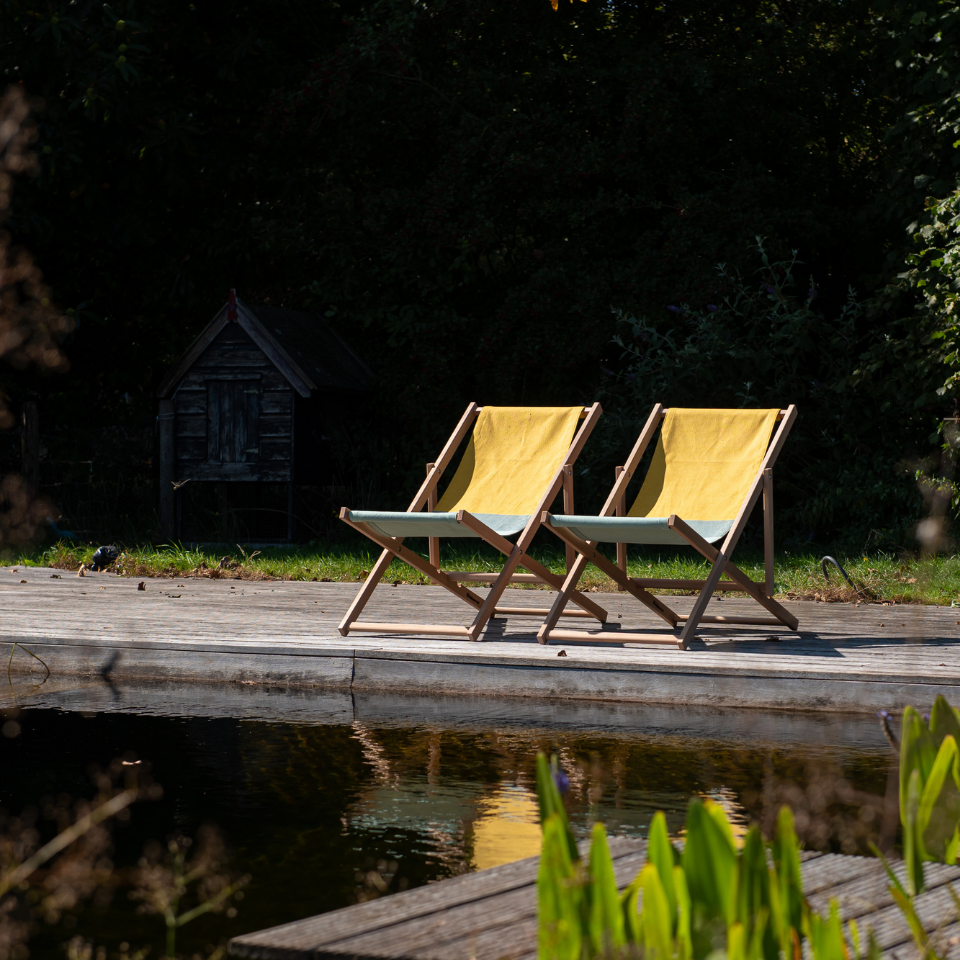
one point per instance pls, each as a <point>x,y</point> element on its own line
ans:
<point>508,827</point>
<point>323,814</point>
<point>468,826</point>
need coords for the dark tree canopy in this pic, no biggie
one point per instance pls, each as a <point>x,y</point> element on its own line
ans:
<point>480,195</point>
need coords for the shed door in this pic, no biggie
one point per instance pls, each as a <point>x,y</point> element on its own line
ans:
<point>233,421</point>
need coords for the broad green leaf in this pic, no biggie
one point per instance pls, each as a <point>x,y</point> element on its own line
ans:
<point>952,850</point>
<point>656,922</point>
<point>682,935</point>
<point>631,916</point>
<point>912,843</point>
<point>709,861</point>
<point>827,941</point>
<point>559,896</point>
<point>661,853</point>
<point>550,802</point>
<point>719,817</point>
<point>752,879</point>
<point>605,913</point>
<point>854,932</point>
<point>755,946</point>
<point>786,858</point>
<point>737,942</point>
<point>917,752</point>
<point>939,809</point>
<point>944,721</point>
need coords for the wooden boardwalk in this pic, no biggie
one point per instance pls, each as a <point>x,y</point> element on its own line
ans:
<point>492,914</point>
<point>283,634</point>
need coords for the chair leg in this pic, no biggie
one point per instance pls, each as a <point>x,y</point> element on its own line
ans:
<point>568,587</point>
<point>590,553</point>
<point>709,551</point>
<point>394,545</point>
<point>489,606</point>
<point>366,591</point>
<point>506,548</point>
<point>700,604</point>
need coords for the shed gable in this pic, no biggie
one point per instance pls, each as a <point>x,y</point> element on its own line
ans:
<point>234,413</point>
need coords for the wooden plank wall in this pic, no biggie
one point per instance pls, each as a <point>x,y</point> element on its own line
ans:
<point>234,356</point>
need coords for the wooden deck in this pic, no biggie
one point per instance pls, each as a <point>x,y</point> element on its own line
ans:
<point>492,914</point>
<point>283,634</point>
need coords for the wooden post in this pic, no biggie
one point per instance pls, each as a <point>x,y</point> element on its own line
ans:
<point>30,447</point>
<point>768,530</point>
<point>433,542</point>
<point>620,511</point>
<point>290,518</point>
<point>166,421</point>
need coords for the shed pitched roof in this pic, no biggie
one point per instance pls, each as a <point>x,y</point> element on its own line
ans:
<point>319,350</point>
<point>303,347</point>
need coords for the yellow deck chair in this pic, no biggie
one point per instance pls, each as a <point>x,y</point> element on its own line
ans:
<point>707,472</point>
<point>516,462</point>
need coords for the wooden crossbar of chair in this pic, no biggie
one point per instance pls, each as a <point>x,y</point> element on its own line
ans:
<point>615,505</point>
<point>516,554</point>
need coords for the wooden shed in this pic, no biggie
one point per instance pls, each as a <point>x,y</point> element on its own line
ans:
<point>253,401</point>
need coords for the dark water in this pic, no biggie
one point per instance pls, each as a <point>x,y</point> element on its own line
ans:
<point>323,798</point>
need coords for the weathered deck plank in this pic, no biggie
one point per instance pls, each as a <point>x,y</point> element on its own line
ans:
<point>845,657</point>
<point>492,914</point>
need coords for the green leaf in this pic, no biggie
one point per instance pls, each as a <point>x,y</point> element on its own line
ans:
<point>605,914</point>
<point>905,903</point>
<point>631,917</point>
<point>709,861</point>
<point>786,858</point>
<point>826,936</point>
<point>917,752</point>
<point>737,942</point>
<point>752,879</point>
<point>912,844</point>
<point>656,921</point>
<point>952,850</point>
<point>682,932</point>
<point>560,929</point>
<point>939,808</point>
<point>944,721</point>
<point>661,853</point>
<point>551,803</point>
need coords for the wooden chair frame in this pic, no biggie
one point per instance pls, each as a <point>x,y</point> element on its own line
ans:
<point>720,558</point>
<point>516,554</point>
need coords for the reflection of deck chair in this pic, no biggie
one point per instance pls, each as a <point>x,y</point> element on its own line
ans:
<point>708,469</point>
<point>516,462</point>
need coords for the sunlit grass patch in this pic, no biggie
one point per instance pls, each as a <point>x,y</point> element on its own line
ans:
<point>880,578</point>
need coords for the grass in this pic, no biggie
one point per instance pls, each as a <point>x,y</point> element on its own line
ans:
<point>877,579</point>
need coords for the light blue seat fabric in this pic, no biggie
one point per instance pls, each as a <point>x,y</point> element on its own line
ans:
<point>401,524</point>
<point>637,529</point>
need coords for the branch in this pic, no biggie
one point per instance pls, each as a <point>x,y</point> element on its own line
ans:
<point>63,840</point>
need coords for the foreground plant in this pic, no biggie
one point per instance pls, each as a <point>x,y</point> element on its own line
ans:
<point>929,789</point>
<point>43,882</point>
<point>711,898</point>
<point>166,878</point>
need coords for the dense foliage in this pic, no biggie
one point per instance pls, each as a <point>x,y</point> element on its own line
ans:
<point>483,196</point>
<point>741,897</point>
<point>716,897</point>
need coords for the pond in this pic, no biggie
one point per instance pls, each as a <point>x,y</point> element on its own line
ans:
<point>325,799</point>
